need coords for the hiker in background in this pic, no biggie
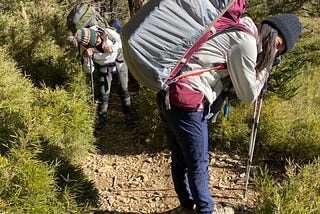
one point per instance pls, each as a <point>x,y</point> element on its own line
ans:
<point>249,58</point>
<point>101,53</point>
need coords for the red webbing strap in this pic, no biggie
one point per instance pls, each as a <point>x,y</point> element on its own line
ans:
<point>186,57</point>
<point>216,68</point>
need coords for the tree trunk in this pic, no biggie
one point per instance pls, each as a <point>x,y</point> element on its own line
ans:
<point>135,5</point>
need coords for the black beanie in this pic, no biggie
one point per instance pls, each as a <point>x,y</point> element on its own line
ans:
<point>288,26</point>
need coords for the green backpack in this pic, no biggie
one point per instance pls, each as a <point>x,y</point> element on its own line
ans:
<point>84,15</point>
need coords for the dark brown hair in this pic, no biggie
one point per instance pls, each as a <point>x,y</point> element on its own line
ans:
<point>266,47</point>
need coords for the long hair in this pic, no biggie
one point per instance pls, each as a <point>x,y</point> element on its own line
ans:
<point>266,47</point>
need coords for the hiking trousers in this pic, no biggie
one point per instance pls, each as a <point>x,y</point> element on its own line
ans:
<point>187,135</point>
<point>119,71</point>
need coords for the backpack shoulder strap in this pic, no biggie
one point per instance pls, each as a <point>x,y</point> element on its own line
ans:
<point>202,39</point>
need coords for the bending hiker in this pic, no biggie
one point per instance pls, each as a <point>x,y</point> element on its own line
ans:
<point>100,50</point>
<point>248,58</point>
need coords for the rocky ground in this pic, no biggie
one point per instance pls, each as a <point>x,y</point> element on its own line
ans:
<point>134,178</point>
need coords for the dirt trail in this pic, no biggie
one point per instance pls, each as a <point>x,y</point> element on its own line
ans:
<point>134,178</point>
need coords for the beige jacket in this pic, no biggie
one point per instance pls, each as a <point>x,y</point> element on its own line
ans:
<point>236,48</point>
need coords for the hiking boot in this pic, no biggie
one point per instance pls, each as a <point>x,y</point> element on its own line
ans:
<point>219,209</point>
<point>182,210</point>
<point>100,124</point>
<point>129,120</point>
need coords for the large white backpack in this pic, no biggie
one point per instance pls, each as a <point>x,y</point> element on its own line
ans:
<point>163,34</point>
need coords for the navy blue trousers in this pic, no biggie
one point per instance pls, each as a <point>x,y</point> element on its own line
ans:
<point>187,135</point>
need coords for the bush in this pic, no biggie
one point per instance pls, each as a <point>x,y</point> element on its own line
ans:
<point>28,186</point>
<point>299,193</point>
<point>34,34</point>
<point>16,98</point>
<point>43,133</point>
<point>149,128</point>
<point>64,121</point>
<point>231,133</point>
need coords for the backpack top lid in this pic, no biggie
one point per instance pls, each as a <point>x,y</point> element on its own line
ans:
<point>84,15</point>
<point>232,16</point>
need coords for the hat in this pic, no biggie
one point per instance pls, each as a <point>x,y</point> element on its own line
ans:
<point>86,37</point>
<point>288,26</point>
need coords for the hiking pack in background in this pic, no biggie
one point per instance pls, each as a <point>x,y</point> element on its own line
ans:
<point>163,34</point>
<point>86,15</point>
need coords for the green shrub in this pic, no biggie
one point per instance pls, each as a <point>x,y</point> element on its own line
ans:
<point>299,193</point>
<point>61,118</point>
<point>16,97</point>
<point>149,128</point>
<point>231,133</point>
<point>41,127</point>
<point>28,186</point>
<point>36,40</point>
<point>64,121</point>
<point>290,129</point>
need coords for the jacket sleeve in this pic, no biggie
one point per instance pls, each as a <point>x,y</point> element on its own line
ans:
<point>115,38</point>
<point>241,62</point>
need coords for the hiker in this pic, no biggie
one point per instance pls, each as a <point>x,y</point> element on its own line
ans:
<point>100,50</point>
<point>248,57</point>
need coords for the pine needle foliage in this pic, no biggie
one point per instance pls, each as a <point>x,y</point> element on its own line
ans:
<point>43,133</point>
<point>63,121</point>
<point>298,193</point>
<point>27,185</point>
<point>34,33</point>
<point>149,125</point>
<point>289,130</point>
<point>16,97</point>
<point>230,132</point>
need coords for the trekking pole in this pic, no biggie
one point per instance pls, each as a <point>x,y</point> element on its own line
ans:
<point>255,122</point>
<point>92,79</point>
